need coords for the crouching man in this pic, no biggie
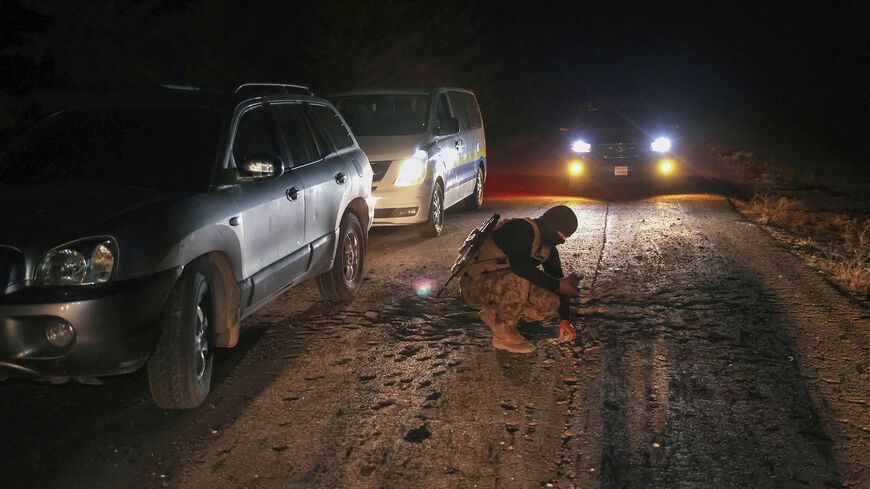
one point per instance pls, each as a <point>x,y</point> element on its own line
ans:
<point>517,276</point>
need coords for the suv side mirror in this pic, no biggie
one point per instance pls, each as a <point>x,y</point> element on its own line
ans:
<point>449,126</point>
<point>261,166</point>
<point>229,176</point>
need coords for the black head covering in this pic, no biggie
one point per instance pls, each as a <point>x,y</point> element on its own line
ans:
<point>559,218</point>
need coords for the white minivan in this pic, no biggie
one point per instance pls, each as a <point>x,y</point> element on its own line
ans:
<point>426,147</point>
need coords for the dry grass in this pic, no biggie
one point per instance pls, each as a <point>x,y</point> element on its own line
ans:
<point>775,210</point>
<point>809,210</point>
<point>854,269</point>
<point>834,243</point>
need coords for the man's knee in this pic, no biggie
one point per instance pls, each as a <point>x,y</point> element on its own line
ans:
<point>543,302</point>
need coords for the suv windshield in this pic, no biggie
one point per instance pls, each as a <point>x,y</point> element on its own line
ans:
<point>385,115</point>
<point>167,148</point>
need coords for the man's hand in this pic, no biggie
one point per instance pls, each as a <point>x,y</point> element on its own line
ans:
<point>567,286</point>
<point>566,329</point>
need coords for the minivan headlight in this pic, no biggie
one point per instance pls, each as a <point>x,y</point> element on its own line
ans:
<point>412,171</point>
<point>84,262</point>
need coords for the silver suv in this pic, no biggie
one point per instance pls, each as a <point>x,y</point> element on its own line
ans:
<point>143,228</point>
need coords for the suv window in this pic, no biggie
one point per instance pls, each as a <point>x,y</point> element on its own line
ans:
<point>298,135</point>
<point>465,108</point>
<point>333,126</point>
<point>254,135</point>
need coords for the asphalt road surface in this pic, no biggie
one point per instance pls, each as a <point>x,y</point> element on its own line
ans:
<point>710,358</point>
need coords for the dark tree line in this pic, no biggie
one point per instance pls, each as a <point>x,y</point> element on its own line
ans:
<point>398,43</point>
<point>87,43</point>
<point>50,47</point>
<point>54,47</point>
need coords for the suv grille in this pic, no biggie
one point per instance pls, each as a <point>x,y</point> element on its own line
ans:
<point>618,151</point>
<point>11,267</point>
<point>380,169</point>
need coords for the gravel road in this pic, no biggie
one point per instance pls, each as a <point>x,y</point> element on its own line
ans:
<point>710,358</point>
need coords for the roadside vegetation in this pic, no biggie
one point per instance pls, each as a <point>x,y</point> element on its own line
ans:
<point>823,219</point>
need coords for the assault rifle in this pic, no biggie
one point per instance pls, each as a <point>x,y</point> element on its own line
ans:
<point>469,249</point>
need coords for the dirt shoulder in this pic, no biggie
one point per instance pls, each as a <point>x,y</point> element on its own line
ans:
<point>820,214</point>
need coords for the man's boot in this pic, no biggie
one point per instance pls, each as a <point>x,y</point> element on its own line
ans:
<point>512,341</point>
<point>497,327</point>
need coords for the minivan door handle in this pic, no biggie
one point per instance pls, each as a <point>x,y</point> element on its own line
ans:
<point>292,193</point>
<point>340,178</point>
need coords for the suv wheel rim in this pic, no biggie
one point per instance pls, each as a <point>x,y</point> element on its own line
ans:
<point>351,256</point>
<point>437,211</point>
<point>200,334</point>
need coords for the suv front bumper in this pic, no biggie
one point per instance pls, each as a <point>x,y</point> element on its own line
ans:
<point>114,328</point>
<point>645,167</point>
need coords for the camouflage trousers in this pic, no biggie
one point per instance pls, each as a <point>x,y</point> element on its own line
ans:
<point>513,298</point>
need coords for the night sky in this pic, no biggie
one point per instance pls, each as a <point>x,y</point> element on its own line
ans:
<point>802,66</point>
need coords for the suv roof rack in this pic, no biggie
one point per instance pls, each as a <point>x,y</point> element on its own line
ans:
<point>178,87</point>
<point>273,88</point>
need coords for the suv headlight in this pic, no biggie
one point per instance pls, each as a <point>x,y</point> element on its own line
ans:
<point>661,145</point>
<point>84,262</point>
<point>581,146</point>
<point>413,170</point>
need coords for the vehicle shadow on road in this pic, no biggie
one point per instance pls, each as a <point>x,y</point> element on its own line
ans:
<point>56,436</point>
<point>700,388</point>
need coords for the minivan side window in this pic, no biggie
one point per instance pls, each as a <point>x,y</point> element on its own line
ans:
<point>292,121</point>
<point>465,108</point>
<point>254,135</point>
<point>333,126</point>
<point>474,111</point>
<point>442,113</point>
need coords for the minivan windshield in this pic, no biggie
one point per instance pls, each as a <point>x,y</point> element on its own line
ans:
<point>384,114</point>
<point>165,148</point>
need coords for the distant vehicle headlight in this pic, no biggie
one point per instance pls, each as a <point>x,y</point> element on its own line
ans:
<point>84,262</point>
<point>581,146</point>
<point>666,166</point>
<point>576,168</point>
<point>413,170</point>
<point>661,145</point>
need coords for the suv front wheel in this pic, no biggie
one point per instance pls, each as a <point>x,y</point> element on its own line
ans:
<point>179,370</point>
<point>343,281</point>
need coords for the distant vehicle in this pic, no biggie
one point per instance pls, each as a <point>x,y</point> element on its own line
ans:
<point>607,145</point>
<point>427,148</point>
<point>143,227</point>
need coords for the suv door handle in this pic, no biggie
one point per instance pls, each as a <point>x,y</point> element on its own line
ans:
<point>340,178</point>
<point>292,193</point>
<point>458,144</point>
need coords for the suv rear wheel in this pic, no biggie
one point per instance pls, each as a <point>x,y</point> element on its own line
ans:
<point>343,281</point>
<point>179,370</point>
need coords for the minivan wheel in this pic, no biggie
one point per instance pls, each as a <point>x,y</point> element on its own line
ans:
<point>475,200</point>
<point>179,370</point>
<point>432,227</point>
<point>343,281</point>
